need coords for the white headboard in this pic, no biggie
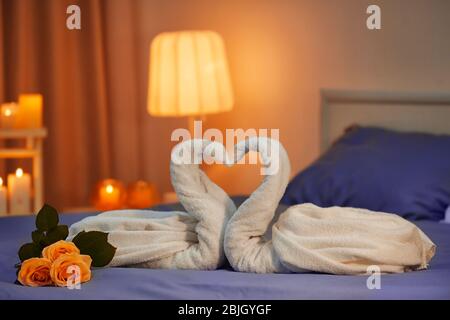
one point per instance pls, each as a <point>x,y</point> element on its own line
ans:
<point>403,111</point>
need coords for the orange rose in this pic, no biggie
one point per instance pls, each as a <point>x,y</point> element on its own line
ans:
<point>67,265</point>
<point>53,251</point>
<point>35,272</point>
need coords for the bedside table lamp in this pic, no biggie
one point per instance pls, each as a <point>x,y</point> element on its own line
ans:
<point>188,75</point>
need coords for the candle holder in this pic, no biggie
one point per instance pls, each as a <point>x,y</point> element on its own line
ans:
<point>109,194</point>
<point>8,115</point>
<point>28,145</point>
<point>142,194</point>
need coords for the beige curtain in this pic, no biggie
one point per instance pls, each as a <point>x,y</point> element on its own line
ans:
<point>93,130</point>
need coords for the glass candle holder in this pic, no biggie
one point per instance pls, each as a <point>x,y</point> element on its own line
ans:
<point>8,115</point>
<point>142,194</point>
<point>109,194</point>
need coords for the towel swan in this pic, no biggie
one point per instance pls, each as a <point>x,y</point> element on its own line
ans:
<point>305,237</point>
<point>171,240</point>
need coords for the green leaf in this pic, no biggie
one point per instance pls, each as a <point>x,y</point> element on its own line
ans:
<point>78,236</point>
<point>96,245</point>
<point>103,255</point>
<point>54,235</point>
<point>37,236</point>
<point>29,250</point>
<point>47,218</point>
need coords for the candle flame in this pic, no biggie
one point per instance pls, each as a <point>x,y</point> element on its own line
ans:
<point>109,188</point>
<point>19,172</point>
<point>7,112</point>
<point>1,182</point>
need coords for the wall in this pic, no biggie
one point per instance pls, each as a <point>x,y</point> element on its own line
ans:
<point>282,52</point>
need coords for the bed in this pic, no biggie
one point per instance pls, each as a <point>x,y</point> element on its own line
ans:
<point>126,283</point>
<point>400,111</point>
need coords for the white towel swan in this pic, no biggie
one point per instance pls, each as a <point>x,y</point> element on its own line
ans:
<point>171,240</point>
<point>333,240</point>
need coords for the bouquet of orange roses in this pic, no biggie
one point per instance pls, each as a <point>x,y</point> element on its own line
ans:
<point>51,260</point>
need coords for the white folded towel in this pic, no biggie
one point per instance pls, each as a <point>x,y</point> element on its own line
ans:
<point>171,240</point>
<point>306,237</point>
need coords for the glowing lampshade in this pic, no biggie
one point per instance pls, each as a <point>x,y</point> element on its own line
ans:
<point>188,74</point>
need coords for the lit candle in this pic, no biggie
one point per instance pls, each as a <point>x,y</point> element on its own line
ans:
<point>8,114</point>
<point>19,190</point>
<point>3,209</point>
<point>110,195</point>
<point>142,194</point>
<point>30,111</point>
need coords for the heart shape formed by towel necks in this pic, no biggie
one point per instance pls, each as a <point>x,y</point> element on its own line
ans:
<point>195,152</point>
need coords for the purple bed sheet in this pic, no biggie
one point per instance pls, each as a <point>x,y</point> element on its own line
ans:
<point>132,283</point>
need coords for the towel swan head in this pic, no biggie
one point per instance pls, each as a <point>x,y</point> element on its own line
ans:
<point>190,182</point>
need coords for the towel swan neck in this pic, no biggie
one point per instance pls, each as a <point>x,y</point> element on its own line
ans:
<point>209,204</point>
<point>245,246</point>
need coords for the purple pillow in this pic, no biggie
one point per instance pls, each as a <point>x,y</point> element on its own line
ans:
<point>382,170</point>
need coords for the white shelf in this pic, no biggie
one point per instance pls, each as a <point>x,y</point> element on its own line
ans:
<point>23,133</point>
<point>17,153</point>
<point>32,149</point>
